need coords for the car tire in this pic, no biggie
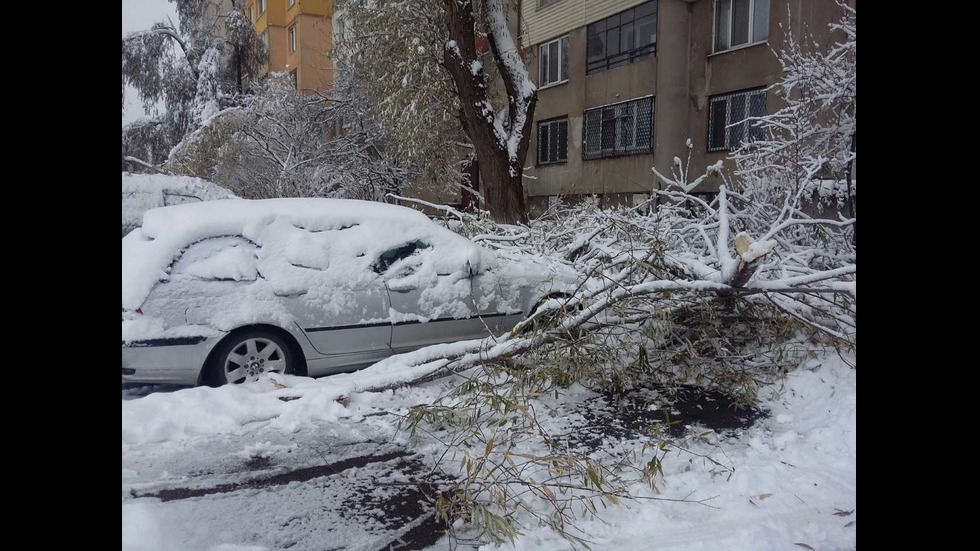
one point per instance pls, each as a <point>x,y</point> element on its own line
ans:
<point>251,354</point>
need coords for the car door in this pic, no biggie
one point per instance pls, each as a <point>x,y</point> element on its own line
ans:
<point>351,328</point>
<point>427,307</point>
<point>499,307</point>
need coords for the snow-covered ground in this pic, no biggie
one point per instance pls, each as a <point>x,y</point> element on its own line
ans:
<point>260,467</point>
<point>792,480</point>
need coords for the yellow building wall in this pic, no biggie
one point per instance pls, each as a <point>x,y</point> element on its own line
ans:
<point>312,20</point>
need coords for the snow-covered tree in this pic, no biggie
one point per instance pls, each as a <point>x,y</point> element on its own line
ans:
<point>807,148</point>
<point>388,63</point>
<point>144,143</point>
<point>194,70</point>
<point>729,295</point>
<point>423,55</point>
<point>284,144</point>
<point>500,136</point>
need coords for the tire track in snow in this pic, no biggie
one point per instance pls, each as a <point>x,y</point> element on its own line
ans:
<point>297,475</point>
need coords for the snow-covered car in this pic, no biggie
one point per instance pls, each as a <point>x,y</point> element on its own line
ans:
<point>142,192</point>
<point>218,292</point>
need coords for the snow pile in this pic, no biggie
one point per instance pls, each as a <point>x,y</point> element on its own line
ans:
<point>229,409</point>
<point>283,401</point>
<point>142,192</point>
<point>301,245</point>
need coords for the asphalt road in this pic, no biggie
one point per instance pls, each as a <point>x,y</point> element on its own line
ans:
<point>344,485</point>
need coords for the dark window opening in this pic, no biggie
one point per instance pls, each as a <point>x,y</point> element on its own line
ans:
<point>622,38</point>
<point>388,258</point>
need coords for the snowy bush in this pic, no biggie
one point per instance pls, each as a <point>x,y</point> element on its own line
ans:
<point>280,145</point>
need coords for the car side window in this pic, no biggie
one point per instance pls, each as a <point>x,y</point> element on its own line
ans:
<point>390,257</point>
<point>218,259</point>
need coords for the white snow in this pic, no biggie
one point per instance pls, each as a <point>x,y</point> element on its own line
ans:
<point>235,263</point>
<point>142,192</point>
<point>295,240</point>
<point>756,249</point>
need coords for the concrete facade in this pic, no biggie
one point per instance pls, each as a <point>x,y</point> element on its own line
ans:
<point>682,76</point>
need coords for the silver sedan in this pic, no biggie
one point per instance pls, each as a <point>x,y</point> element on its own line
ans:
<point>222,292</point>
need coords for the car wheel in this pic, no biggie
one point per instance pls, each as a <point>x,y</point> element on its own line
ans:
<point>251,354</point>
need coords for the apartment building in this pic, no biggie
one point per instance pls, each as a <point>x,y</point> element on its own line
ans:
<point>299,37</point>
<point>623,84</point>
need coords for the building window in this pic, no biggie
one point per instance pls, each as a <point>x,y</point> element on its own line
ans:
<point>553,141</point>
<point>251,14</point>
<point>292,3</point>
<point>553,62</point>
<point>265,39</point>
<point>295,78</point>
<point>624,128</point>
<point>740,22</point>
<point>261,6</point>
<point>292,38</point>
<point>728,124</point>
<point>622,38</point>
<point>545,3</point>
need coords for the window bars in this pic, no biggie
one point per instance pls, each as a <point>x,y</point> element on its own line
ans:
<point>553,141</point>
<point>624,128</point>
<point>728,124</point>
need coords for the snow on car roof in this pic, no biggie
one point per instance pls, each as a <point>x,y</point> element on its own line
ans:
<point>302,243</point>
<point>142,192</point>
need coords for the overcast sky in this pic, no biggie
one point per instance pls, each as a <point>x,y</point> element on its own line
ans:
<point>138,15</point>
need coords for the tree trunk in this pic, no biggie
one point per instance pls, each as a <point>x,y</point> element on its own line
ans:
<point>500,148</point>
<point>238,66</point>
<point>469,201</point>
<point>503,192</point>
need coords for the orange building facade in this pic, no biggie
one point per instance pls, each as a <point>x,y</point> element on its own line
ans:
<point>299,38</point>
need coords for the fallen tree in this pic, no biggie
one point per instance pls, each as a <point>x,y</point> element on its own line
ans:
<point>683,295</point>
<point>727,292</point>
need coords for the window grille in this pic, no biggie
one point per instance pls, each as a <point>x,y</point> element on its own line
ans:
<point>728,124</point>
<point>619,129</point>
<point>553,141</point>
